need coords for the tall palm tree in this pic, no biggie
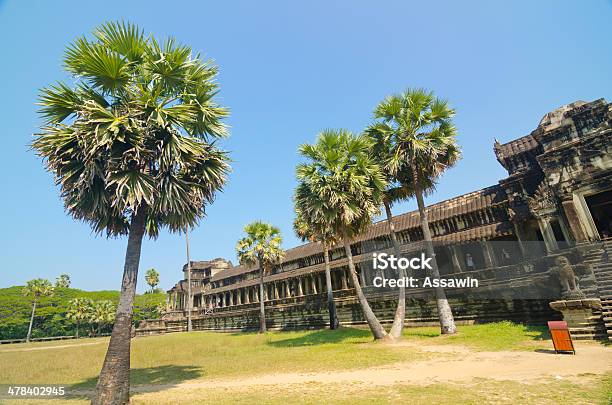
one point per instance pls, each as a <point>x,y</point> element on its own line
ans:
<point>102,313</point>
<point>309,230</point>
<point>152,278</point>
<point>130,145</point>
<point>36,289</point>
<point>340,172</point>
<point>262,247</point>
<point>79,310</point>
<point>63,281</point>
<point>396,191</point>
<point>423,146</point>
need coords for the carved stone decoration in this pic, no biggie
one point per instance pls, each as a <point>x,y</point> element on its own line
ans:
<point>543,201</point>
<point>512,214</point>
<point>570,289</point>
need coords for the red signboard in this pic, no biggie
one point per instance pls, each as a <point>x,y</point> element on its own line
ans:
<point>562,340</point>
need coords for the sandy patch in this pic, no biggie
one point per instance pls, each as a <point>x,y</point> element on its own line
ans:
<point>459,364</point>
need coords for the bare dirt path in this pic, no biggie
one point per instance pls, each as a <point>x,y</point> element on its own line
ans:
<point>456,364</point>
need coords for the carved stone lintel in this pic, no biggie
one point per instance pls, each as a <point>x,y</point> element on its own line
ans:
<point>543,203</point>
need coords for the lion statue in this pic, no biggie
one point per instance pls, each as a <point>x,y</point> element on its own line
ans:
<point>570,289</point>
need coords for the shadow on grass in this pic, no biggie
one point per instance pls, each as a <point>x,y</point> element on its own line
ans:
<point>323,336</point>
<point>538,332</point>
<point>156,379</point>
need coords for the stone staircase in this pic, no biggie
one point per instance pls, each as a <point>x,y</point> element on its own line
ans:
<point>602,269</point>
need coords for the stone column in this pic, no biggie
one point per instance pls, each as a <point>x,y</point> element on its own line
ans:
<point>300,292</point>
<point>519,237</point>
<point>455,252</point>
<point>287,290</point>
<point>256,294</point>
<point>488,254</point>
<point>574,221</point>
<point>314,285</point>
<point>361,277</point>
<point>239,297</point>
<point>548,234</point>
<point>276,295</point>
<point>343,279</point>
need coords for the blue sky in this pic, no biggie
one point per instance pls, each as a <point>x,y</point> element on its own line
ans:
<point>288,70</point>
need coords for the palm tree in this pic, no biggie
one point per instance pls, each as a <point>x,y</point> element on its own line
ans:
<point>423,146</point>
<point>79,310</point>
<point>396,191</point>
<point>102,313</point>
<point>340,172</point>
<point>309,230</point>
<point>129,144</point>
<point>63,281</point>
<point>152,279</point>
<point>36,289</point>
<point>261,247</point>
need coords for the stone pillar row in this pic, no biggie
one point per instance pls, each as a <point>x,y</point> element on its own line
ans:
<point>312,284</point>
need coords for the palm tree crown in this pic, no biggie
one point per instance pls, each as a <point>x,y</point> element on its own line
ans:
<point>152,278</point>
<point>102,312</point>
<point>344,183</point>
<point>421,136</point>
<point>37,288</point>
<point>134,131</point>
<point>261,246</point>
<point>79,309</point>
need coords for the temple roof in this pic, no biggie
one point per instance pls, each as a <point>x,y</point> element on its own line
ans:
<point>452,207</point>
<point>205,264</point>
<point>555,117</point>
<point>520,145</point>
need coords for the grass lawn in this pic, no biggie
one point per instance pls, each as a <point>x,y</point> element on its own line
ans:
<point>187,356</point>
<point>201,356</point>
<point>490,336</point>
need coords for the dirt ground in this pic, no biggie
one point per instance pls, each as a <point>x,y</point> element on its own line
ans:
<point>451,364</point>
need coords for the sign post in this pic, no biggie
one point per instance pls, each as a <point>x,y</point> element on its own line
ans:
<point>562,340</point>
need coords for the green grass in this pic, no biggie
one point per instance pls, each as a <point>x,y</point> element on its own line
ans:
<point>496,336</point>
<point>202,356</point>
<point>187,356</point>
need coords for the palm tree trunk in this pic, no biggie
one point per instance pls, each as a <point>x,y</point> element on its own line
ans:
<point>445,314</point>
<point>262,309</point>
<point>400,311</point>
<point>31,321</point>
<point>114,382</point>
<point>377,330</point>
<point>331,305</point>
<point>189,297</point>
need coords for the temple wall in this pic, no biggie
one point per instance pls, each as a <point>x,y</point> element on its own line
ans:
<point>314,314</point>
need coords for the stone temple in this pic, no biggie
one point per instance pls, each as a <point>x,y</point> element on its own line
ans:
<point>555,202</point>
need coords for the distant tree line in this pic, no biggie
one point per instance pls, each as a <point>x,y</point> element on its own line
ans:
<point>41,309</point>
